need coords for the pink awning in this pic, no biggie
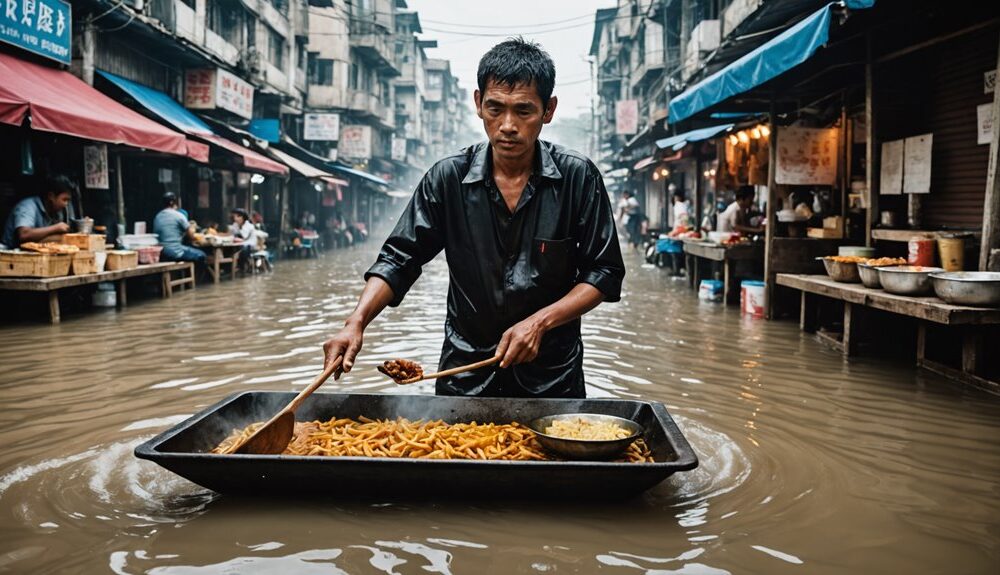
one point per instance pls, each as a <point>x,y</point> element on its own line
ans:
<point>335,181</point>
<point>251,159</point>
<point>59,102</point>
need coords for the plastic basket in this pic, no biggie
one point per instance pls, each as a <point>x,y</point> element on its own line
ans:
<point>149,254</point>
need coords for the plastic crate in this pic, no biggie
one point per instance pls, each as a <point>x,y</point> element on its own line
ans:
<point>149,254</point>
<point>669,246</point>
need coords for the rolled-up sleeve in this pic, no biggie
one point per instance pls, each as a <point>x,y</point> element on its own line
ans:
<point>416,239</point>
<point>599,257</point>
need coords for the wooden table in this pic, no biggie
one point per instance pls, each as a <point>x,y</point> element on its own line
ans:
<point>697,250</point>
<point>118,277</point>
<point>969,320</point>
<point>218,255</point>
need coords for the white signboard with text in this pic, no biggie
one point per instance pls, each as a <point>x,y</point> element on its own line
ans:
<point>398,148</point>
<point>95,167</point>
<point>355,142</point>
<point>210,89</point>
<point>322,127</point>
<point>626,117</point>
<point>807,156</point>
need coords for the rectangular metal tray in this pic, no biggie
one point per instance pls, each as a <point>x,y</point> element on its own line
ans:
<point>183,449</point>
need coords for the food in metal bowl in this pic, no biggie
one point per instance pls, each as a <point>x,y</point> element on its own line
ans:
<point>881,262</point>
<point>847,259</point>
<point>842,269</point>
<point>577,440</point>
<point>907,280</point>
<point>579,428</point>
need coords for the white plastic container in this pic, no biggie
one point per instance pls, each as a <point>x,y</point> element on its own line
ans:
<point>100,259</point>
<point>752,298</point>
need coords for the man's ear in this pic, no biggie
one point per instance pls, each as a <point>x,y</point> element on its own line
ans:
<point>550,110</point>
<point>479,103</point>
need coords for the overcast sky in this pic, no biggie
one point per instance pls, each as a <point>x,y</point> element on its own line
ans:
<point>466,29</point>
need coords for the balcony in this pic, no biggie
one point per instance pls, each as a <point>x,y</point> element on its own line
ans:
<point>373,42</point>
<point>327,97</point>
<point>363,103</point>
<point>648,70</point>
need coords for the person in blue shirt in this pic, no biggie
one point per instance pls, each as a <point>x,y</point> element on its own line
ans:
<point>173,228</point>
<point>36,218</point>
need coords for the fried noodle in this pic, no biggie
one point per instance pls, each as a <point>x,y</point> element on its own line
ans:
<point>419,440</point>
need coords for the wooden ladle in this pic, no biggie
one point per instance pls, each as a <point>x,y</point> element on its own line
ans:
<point>448,372</point>
<point>272,438</point>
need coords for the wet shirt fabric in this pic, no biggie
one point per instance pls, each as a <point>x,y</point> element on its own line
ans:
<point>504,265</point>
<point>28,213</point>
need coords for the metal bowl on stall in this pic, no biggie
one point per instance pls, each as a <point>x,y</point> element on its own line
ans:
<point>907,280</point>
<point>968,288</point>
<point>841,271</point>
<point>869,276</point>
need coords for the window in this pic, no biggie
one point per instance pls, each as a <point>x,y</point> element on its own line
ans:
<point>303,56</point>
<point>352,80</point>
<point>320,71</point>
<point>275,49</point>
<point>226,18</point>
<point>434,80</point>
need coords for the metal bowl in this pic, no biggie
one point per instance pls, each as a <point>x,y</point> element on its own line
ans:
<point>585,448</point>
<point>869,276</point>
<point>907,280</point>
<point>968,288</point>
<point>840,271</point>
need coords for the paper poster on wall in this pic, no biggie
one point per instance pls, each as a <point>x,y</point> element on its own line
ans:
<point>95,167</point>
<point>891,177</point>
<point>984,119</point>
<point>807,156</point>
<point>917,164</point>
<point>626,117</point>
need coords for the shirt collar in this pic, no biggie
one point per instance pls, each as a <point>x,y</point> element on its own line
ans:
<point>481,159</point>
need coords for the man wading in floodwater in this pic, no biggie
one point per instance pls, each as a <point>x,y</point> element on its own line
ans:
<point>530,239</point>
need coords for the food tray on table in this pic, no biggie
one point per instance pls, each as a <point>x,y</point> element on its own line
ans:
<point>184,449</point>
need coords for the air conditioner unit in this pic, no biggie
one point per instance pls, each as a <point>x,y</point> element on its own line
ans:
<point>705,36</point>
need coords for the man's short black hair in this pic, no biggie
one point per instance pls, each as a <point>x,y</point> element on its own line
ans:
<point>169,199</point>
<point>518,61</point>
<point>60,184</point>
<point>745,192</point>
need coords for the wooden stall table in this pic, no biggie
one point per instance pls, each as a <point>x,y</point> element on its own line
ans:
<point>216,255</point>
<point>697,250</point>
<point>970,321</point>
<point>118,277</point>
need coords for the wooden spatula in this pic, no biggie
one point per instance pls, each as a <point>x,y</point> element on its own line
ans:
<point>272,438</point>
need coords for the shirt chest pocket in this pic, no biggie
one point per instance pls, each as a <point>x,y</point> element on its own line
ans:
<point>553,262</point>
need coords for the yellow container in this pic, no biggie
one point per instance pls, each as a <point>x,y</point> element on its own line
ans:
<point>952,253</point>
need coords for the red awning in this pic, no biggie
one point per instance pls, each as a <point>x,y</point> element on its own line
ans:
<point>197,151</point>
<point>335,181</point>
<point>58,101</point>
<point>251,159</point>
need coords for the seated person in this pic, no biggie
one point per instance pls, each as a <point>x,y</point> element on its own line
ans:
<point>244,231</point>
<point>173,228</point>
<point>37,218</point>
<point>736,218</point>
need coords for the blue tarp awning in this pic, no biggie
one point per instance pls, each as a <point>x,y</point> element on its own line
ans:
<point>161,104</point>
<point>775,57</point>
<point>679,141</point>
<point>359,173</point>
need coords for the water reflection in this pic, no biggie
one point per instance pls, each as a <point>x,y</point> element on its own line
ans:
<point>806,461</point>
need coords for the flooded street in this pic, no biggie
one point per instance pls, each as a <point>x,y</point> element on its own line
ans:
<point>809,464</point>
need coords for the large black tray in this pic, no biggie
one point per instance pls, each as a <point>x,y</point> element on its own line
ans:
<point>183,450</point>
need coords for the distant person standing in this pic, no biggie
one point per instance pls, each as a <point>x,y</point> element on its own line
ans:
<point>172,228</point>
<point>632,216</point>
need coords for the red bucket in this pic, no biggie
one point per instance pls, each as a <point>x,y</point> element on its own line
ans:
<point>921,252</point>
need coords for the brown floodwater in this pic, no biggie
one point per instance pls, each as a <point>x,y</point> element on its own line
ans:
<point>809,464</point>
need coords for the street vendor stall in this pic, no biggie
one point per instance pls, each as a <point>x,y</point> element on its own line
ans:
<point>738,259</point>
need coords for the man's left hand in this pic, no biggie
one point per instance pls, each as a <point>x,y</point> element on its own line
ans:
<point>520,343</point>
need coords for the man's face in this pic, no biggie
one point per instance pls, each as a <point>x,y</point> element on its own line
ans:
<point>513,117</point>
<point>57,202</point>
<point>746,202</point>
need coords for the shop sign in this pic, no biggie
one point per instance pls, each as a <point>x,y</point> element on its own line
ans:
<point>210,89</point>
<point>267,129</point>
<point>807,156</point>
<point>984,119</point>
<point>322,127</point>
<point>626,117</point>
<point>95,167</point>
<point>40,26</point>
<point>355,142</point>
<point>906,166</point>
<point>989,81</point>
<point>398,148</point>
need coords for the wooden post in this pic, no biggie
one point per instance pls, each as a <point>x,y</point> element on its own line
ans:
<point>872,157</point>
<point>850,329</point>
<point>991,205</point>
<point>54,306</point>
<point>122,295</point>
<point>283,217</point>
<point>772,220</point>
<point>699,190</point>
<point>845,160</point>
<point>971,343</point>
<point>121,192</point>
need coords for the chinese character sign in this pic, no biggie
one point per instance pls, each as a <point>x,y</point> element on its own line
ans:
<point>40,26</point>
<point>199,89</point>
<point>322,127</point>
<point>626,117</point>
<point>233,94</point>
<point>355,142</point>
<point>807,156</point>
<point>398,148</point>
<point>95,167</point>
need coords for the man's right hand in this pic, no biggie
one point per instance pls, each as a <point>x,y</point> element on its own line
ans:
<point>60,228</point>
<point>345,346</point>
